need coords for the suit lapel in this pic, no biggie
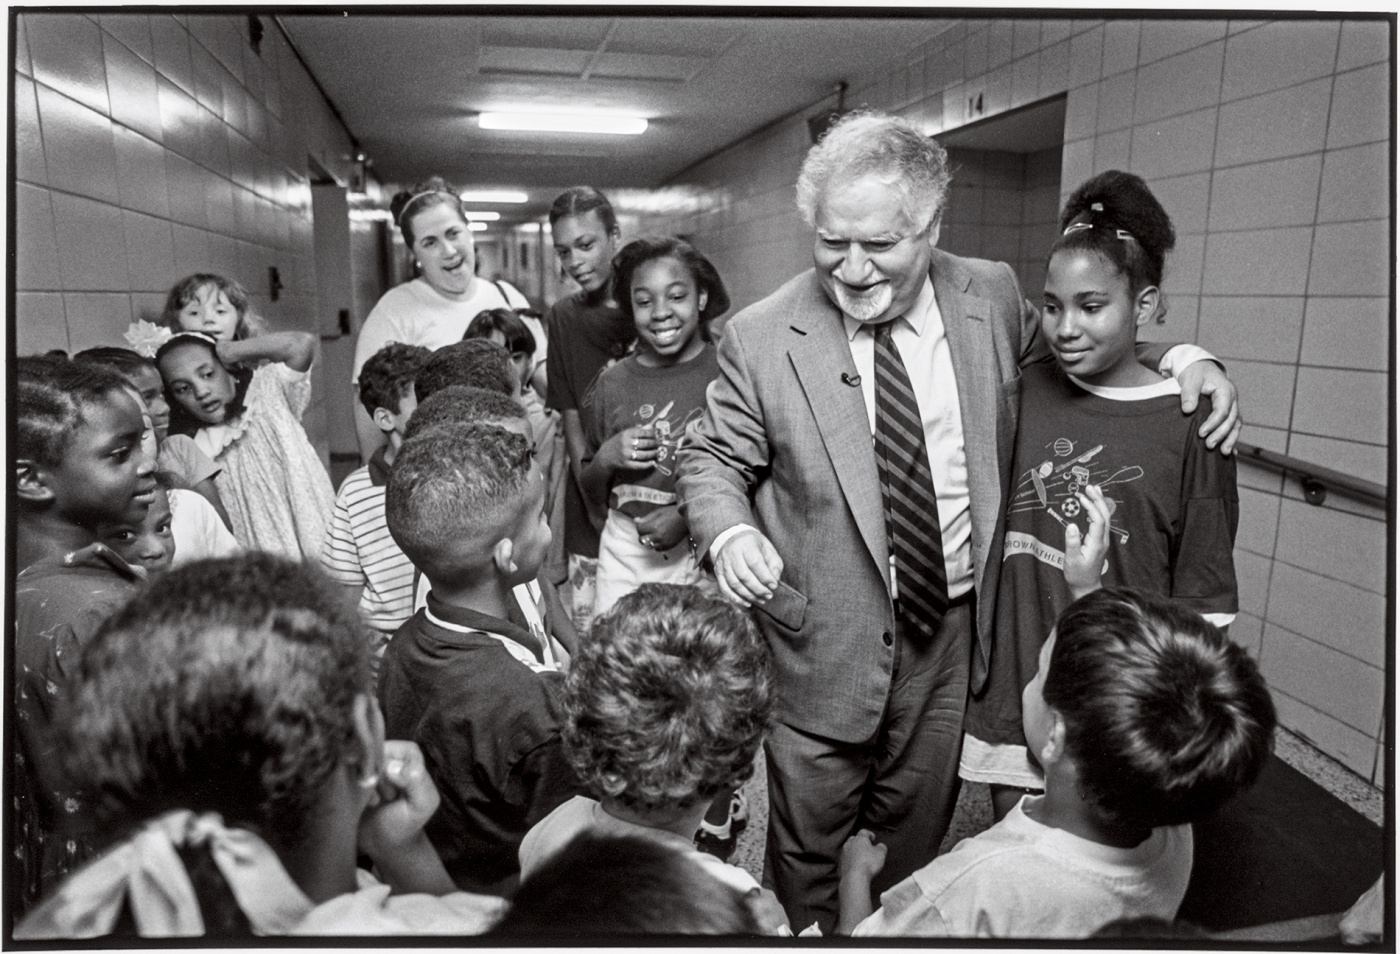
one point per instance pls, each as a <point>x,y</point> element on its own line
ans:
<point>966,323</point>
<point>840,412</point>
<point>968,326</point>
<point>820,354</point>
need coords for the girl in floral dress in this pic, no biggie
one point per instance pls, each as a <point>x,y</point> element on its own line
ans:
<point>242,402</point>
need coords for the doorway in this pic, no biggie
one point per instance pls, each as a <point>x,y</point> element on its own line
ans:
<point>1004,201</point>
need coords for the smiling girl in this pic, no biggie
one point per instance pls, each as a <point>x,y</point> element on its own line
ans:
<point>1099,435</point>
<point>635,416</point>
<point>78,464</point>
<point>638,411</point>
<point>278,495</point>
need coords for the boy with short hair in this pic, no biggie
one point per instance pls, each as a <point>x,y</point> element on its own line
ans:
<point>666,704</point>
<point>461,404</point>
<point>476,363</point>
<point>359,553</point>
<point>1144,717</point>
<point>466,677</point>
<point>539,599</point>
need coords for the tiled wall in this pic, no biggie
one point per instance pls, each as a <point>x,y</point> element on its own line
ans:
<point>151,146</point>
<point>1268,142</point>
<point>1003,206</point>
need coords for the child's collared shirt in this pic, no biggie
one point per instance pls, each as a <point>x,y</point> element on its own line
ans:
<point>1022,879</point>
<point>477,695</point>
<point>529,602</point>
<point>581,813</point>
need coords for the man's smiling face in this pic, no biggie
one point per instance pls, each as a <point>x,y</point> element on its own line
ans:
<point>871,256</point>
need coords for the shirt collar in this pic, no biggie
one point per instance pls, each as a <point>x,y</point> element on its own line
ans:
<point>94,556</point>
<point>916,317</point>
<point>378,469</point>
<point>459,618</point>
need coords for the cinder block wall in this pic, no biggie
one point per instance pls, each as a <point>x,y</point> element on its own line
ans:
<point>1268,142</point>
<point>1004,206</point>
<point>150,146</point>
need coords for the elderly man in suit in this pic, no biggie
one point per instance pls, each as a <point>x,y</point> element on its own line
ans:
<point>848,402</point>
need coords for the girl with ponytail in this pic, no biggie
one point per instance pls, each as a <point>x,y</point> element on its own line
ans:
<point>1111,484</point>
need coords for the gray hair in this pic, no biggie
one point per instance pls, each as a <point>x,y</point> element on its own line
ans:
<point>888,146</point>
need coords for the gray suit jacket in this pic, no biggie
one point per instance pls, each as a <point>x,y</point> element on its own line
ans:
<point>785,445</point>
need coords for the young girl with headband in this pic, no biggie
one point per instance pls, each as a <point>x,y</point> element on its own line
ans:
<point>1106,463</point>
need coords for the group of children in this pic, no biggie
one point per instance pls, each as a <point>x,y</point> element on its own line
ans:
<point>564,760</point>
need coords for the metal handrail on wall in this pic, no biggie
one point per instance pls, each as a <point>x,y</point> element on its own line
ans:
<point>1315,478</point>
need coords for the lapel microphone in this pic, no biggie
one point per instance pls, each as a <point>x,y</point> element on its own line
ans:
<point>850,379</point>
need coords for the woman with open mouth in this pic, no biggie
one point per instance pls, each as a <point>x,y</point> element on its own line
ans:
<point>435,307</point>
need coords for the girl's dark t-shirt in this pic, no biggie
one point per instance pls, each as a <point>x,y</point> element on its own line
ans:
<point>584,338</point>
<point>670,399</point>
<point>1174,507</point>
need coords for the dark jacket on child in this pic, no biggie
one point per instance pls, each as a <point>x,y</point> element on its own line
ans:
<point>458,683</point>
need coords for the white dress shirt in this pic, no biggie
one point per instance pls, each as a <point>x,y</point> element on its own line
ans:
<point>923,348</point>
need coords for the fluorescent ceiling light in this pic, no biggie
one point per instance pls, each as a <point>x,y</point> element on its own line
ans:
<point>477,226</point>
<point>574,121</point>
<point>482,216</point>
<point>501,197</point>
<point>531,227</point>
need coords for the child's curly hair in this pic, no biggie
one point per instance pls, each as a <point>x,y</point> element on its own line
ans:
<point>388,375</point>
<point>250,323</point>
<point>1116,215</point>
<point>668,699</point>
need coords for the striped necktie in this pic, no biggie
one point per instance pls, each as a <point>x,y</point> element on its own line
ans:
<point>906,488</point>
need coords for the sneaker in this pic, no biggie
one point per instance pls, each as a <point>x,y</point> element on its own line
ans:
<point>719,840</point>
<point>738,812</point>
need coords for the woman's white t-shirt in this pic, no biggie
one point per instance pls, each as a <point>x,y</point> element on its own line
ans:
<point>413,313</point>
